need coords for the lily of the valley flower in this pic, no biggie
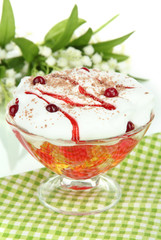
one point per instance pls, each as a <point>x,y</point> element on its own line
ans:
<point>51,61</point>
<point>86,61</point>
<point>96,58</point>
<point>45,51</point>
<point>10,72</point>
<point>88,50</point>
<point>112,63</point>
<point>62,62</point>
<point>2,54</point>
<point>10,82</point>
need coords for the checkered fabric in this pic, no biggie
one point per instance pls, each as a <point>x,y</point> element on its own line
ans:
<point>136,216</point>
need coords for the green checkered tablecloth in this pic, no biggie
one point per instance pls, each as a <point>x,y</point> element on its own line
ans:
<point>136,216</point>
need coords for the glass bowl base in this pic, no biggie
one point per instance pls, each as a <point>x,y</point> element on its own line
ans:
<point>79,197</point>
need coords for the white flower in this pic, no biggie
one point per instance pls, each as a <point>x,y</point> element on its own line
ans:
<point>86,61</point>
<point>112,63</point>
<point>62,62</point>
<point>25,68</point>
<point>51,61</point>
<point>96,58</point>
<point>88,50</point>
<point>104,66</point>
<point>71,52</point>
<point>10,46</point>
<point>2,53</point>
<point>123,67</point>
<point>95,38</point>
<point>10,82</point>
<point>10,73</point>
<point>45,51</point>
<point>56,54</point>
<point>18,75</point>
<point>16,52</point>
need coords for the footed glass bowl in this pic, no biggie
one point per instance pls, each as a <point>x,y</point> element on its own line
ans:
<point>80,187</point>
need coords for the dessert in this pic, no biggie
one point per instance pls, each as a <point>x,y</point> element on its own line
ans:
<point>80,122</point>
<point>80,105</point>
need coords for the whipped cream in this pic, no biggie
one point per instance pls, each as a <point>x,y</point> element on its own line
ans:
<point>81,109</point>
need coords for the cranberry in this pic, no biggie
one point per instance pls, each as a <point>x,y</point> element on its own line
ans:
<point>13,110</point>
<point>130,126</point>
<point>38,79</point>
<point>111,92</point>
<point>86,69</point>
<point>52,108</point>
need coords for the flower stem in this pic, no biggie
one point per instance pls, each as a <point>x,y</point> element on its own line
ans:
<point>105,24</point>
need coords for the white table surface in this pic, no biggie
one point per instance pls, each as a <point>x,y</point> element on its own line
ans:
<point>144,47</point>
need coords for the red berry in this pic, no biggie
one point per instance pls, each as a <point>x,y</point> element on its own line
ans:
<point>130,126</point>
<point>111,92</point>
<point>38,79</point>
<point>52,108</point>
<point>13,110</point>
<point>86,69</point>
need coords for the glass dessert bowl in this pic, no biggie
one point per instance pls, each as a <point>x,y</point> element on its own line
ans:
<point>80,123</point>
<point>80,186</point>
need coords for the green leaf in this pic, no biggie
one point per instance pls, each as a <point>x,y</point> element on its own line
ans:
<point>83,39</point>
<point>118,57</point>
<point>29,49</point>
<point>7,24</point>
<point>18,80</point>
<point>2,71</point>
<point>105,24</point>
<point>138,78</point>
<point>57,30</point>
<point>108,45</point>
<point>17,63</point>
<point>62,39</point>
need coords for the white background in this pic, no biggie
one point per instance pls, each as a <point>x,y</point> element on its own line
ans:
<point>144,47</point>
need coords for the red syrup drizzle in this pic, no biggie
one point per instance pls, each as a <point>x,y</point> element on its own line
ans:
<point>105,105</point>
<point>75,131</point>
<point>86,69</point>
<point>68,100</point>
<point>28,92</point>
<point>17,101</point>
